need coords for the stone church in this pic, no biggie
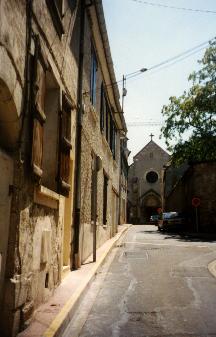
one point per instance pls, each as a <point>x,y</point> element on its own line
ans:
<point>145,182</point>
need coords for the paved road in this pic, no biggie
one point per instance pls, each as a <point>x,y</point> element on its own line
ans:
<point>154,284</point>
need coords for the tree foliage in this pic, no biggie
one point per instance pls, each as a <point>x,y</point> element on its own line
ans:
<point>190,120</point>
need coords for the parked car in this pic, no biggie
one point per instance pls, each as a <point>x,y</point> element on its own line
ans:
<point>172,220</point>
<point>154,219</point>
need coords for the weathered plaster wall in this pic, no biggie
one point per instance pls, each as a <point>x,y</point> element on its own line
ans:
<point>35,249</point>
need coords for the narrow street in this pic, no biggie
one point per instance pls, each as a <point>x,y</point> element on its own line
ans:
<point>152,284</point>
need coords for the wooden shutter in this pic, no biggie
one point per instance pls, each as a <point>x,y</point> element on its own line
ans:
<point>65,147</point>
<point>38,117</point>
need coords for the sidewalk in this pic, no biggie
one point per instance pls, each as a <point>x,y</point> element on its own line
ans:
<point>51,318</point>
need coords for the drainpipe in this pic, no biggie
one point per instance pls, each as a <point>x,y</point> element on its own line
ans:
<point>75,255</point>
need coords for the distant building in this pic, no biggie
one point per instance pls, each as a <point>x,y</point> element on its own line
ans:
<point>145,182</point>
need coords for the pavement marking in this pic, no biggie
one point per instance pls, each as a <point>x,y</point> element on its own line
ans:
<point>163,244</point>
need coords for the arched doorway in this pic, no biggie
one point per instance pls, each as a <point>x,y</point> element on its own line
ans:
<point>150,203</point>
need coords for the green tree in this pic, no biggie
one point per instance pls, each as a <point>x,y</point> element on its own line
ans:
<point>190,120</point>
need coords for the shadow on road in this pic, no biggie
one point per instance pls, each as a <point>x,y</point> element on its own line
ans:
<point>183,236</point>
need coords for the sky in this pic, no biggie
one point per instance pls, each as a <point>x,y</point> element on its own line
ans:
<point>142,36</point>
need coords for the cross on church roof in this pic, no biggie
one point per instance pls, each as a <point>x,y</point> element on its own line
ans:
<point>151,135</point>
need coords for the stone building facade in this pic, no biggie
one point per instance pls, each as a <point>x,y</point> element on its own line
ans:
<point>145,182</point>
<point>42,107</point>
<point>194,180</point>
<point>102,126</point>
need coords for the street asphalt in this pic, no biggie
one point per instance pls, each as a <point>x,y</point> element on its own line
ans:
<point>152,284</point>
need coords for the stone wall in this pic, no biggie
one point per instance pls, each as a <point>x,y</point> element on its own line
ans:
<point>40,231</point>
<point>34,256</point>
<point>199,181</point>
<point>93,140</point>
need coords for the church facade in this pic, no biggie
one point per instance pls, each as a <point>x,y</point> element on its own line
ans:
<point>145,182</point>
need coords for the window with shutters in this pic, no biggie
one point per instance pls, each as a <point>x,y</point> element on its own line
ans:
<point>102,107</point>
<point>112,138</point>
<point>51,133</point>
<point>39,116</point>
<point>93,77</point>
<point>65,146</point>
<point>51,143</point>
<point>107,121</point>
<point>107,124</point>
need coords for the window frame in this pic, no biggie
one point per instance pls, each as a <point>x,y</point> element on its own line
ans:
<point>93,77</point>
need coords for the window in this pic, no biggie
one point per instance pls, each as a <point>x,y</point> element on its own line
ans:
<point>152,177</point>
<point>102,107</point>
<point>51,142</point>
<point>105,188</point>
<point>64,146</point>
<point>112,137</point>
<point>50,133</point>
<point>56,11</point>
<point>107,121</point>
<point>93,79</point>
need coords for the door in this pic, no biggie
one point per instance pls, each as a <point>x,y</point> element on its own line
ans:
<point>6,179</point>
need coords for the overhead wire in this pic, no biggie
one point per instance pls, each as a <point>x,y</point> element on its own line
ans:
<point>157,67</point>
<point>195,10</point>
<point>172,63</point>
<point>131,124</point>
<point>177,58</point>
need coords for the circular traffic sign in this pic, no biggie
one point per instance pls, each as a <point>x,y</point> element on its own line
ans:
<point>196,201</point>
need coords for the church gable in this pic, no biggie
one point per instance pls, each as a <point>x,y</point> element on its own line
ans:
<point>150,150</point>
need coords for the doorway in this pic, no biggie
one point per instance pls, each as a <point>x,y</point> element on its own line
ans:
<point>6,179</point>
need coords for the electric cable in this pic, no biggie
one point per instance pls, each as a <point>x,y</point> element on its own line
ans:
<point>195,10</point>
<point>177,58</point>
<point>182,56</point>
<point>171,64</point>
<point>131,124</point>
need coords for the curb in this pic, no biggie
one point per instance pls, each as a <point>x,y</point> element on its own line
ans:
<point>63,318</point>
<point>212,268</point>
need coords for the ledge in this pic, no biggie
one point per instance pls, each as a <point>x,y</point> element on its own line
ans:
<point>46,197</point>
